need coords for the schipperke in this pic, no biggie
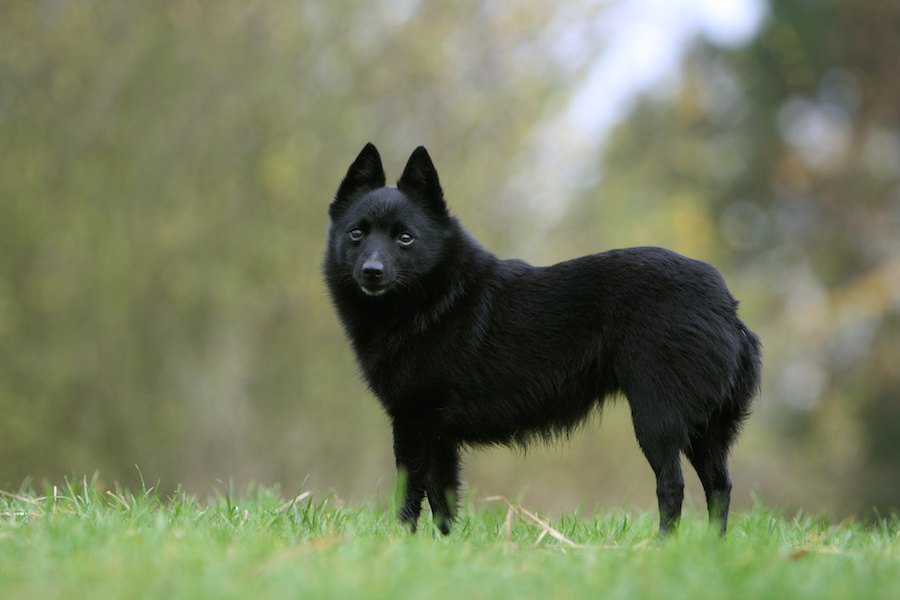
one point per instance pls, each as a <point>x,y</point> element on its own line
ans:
<point>464,349</point>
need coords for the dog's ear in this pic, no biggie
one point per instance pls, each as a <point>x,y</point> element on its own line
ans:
<point>364,175</point>
<point>420,181</point>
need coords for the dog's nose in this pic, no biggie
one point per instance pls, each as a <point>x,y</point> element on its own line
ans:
<point>373,269</point>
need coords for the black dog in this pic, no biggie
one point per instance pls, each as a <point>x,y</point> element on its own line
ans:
<point>463,348</point>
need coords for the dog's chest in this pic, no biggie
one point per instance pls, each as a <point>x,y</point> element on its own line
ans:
<point>398,367</point>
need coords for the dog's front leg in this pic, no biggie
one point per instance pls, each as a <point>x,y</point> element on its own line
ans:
<point>443,483</point>
<point>411,452</point>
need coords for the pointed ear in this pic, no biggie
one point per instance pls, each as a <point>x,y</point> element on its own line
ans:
<point>364,175</point>
<point>420,181</point>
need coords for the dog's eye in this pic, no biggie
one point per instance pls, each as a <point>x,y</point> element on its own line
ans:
<point>356,234</point>
<point>405,238</point>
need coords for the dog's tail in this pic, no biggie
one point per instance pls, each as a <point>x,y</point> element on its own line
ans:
<point>747,381</point>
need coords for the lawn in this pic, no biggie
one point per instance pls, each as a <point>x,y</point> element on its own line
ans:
<point>80,540</point>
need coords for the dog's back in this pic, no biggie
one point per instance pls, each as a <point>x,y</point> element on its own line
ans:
<point>547,343</point>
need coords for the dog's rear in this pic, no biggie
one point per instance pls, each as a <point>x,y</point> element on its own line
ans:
<point>662,329</point>
<point>710,443</point>
<point>709,450</point>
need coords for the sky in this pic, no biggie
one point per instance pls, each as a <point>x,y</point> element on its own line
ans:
<point>645,42</point>
<point>643,45</point>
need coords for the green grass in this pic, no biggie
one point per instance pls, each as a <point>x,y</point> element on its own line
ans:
<point>82,541</point>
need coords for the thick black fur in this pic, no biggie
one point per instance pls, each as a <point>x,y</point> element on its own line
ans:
<point>465,349</point>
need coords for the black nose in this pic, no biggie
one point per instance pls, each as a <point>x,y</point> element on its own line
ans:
<point>373,269</point>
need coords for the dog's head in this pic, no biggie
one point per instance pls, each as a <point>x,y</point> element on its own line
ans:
<point>387,238</point>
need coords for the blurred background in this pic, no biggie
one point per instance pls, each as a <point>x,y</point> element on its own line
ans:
<point>165,170</point>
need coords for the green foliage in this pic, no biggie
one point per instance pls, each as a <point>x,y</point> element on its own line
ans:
<point>83,541</point>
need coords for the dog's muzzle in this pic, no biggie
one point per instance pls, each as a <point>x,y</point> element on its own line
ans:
<point>372,280</point>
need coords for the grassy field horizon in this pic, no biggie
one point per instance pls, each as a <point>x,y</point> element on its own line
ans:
<point>81,539</point>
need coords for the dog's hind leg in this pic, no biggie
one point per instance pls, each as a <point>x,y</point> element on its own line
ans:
<point>710,462</point>
<point>443,484</point>
<point>660,436</point>
<point>708,453</point>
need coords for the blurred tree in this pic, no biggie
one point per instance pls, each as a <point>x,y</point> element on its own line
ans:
<point>165,170</point>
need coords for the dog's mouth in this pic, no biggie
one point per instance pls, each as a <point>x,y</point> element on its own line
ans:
<point>370,289</point>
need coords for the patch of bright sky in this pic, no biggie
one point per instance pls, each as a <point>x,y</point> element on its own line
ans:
<point>639,47</point>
